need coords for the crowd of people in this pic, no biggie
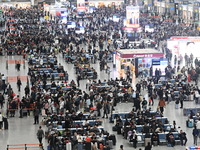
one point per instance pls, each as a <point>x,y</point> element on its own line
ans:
<point>62,100</point>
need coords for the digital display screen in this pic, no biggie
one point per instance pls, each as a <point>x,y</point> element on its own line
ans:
<point>132,16</point>
<point>116,18</point>
<point>159,64</point>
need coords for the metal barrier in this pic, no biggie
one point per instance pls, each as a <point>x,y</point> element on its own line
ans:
<point>25,147</point>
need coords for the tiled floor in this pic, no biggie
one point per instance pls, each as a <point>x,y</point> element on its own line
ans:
<point>22,130</point>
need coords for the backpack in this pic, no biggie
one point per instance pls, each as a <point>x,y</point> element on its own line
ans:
<point>144,102</point>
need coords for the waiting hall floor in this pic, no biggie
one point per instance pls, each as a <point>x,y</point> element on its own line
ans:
<point>22,130</point>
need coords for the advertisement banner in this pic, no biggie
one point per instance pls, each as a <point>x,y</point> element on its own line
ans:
<point>160,65</point>
<point>184,45</point>
<point>132,16</point>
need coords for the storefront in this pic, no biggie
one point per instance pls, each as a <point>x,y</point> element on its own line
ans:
<point>196,14</point>
<point>184,15</point>
<point>162,7</point>
<point>180,11</point>
<point>190,14</point>
<point>135,60</point>
<point>107,3</point>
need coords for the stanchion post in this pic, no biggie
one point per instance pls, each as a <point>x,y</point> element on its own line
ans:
<point>25,147</point>
<point>7,64</point>
<point>24,64</point>
<point>27,81</point>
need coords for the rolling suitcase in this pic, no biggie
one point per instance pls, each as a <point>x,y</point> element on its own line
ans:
<point>190,123</point>
<point>113,138</point>
<point>118,130</point>
<point>5,120</point>
<point>110,143</point>
<point>25,113</point>
<point>114,128</point>
<point>48,147</point>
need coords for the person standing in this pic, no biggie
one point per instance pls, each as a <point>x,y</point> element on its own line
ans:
<point>105,109</point>
<point>18,65</point>
<point>198,122</point>
<point>148,147</point>
<point>181,96</point>
<point>99,106</point>
<point>133,138</point>
<point>1,100</point>
<point>36,115</point>
<point>40,135</point>
<point>4,87</point>
<point>195,134</point>
<point>52,140</point>
<point>1,121</point>
<point>19,83</point>
<point>78,79</point>
<point>161,105</point>
<point>144,104</point>
<point>27,91</point>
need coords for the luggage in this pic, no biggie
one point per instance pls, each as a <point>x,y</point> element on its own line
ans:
<point>110,143</point>
<point>113,138</point>
<point>155,143</point>
<point>69,146</point>
<point>169,145</point>
<point>114,128</point>
<point>5,120</point>
<point>176,106</point>
<point>118,130</point>
<point>191,97</point>
<point>197,101</point>
<point>190,123</point>
<point>110,120</point>
<point>59,127</point>
<point>48,147</point>
<point>25,113</point>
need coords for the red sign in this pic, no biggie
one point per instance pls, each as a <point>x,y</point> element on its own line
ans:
<point>146,55</point>
<point>131,29</point>
<point>178,37</point>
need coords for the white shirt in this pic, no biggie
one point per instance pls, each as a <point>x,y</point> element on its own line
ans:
<point>198,125</point>
<point>62,103</point>
<point>3,77</point>
<point>79,138</point>
<point>1,118</point>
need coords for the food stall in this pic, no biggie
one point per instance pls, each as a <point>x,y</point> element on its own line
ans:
<point>137,60</point>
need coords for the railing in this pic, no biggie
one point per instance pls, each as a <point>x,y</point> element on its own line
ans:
<point>25,147</point>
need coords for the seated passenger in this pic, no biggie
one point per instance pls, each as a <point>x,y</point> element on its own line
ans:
<point>170,139</point>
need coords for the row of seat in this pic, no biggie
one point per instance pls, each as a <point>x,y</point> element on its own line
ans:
<point>162,138</point>
<point>139,128</point>
<point>79,122</point>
